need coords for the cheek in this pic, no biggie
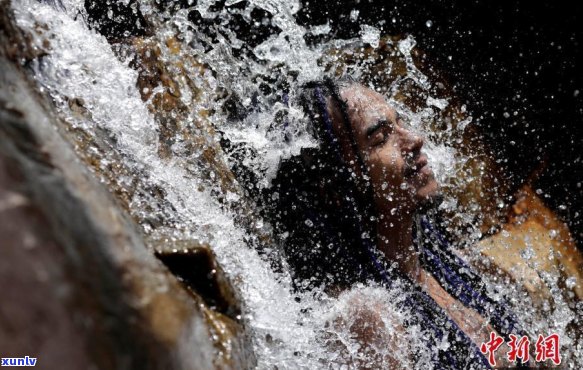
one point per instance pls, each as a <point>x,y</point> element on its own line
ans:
<point>386,166</point>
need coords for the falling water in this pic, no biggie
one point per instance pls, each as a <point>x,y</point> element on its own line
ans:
<point>93,85</point>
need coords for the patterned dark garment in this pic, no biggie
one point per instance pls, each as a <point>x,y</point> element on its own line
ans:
<point>460,281</point>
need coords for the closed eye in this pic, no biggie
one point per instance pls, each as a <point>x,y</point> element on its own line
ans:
<point>379,132</point>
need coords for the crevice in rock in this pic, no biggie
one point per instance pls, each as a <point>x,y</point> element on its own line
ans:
<point>198,271</point>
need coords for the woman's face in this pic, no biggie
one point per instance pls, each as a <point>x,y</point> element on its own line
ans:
<point>399,172</point>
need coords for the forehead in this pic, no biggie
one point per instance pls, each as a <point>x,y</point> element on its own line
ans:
<point>366,106</point>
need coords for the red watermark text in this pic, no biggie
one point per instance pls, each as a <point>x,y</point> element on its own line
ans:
<point>546,348</point>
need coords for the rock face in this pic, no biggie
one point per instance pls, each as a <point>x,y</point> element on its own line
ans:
<point>533,244</point>
<point>80,288</point>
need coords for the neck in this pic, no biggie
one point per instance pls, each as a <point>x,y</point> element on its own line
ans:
<point>395,240</point>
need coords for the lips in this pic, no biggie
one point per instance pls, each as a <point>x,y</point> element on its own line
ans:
<point>421,162</point>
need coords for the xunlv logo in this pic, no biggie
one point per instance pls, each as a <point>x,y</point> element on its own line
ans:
<point>18,361</point>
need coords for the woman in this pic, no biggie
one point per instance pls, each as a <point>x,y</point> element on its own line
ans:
<point>358,209</point>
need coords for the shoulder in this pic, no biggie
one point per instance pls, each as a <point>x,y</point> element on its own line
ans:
<point>368,331</point>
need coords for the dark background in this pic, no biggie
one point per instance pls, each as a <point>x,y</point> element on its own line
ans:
<point>515,63</point>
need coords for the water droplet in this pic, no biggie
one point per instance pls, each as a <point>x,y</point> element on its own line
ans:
<point>429,23</point>
<point>527,253</point>
<point>571,282</point>
<point>370,35</point>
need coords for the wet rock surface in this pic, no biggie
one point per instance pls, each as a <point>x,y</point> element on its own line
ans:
<point>81,288</point>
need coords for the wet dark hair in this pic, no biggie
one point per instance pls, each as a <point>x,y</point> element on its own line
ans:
<point>323,211</point>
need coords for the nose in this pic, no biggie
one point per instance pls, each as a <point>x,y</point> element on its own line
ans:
<point>411,142</point>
